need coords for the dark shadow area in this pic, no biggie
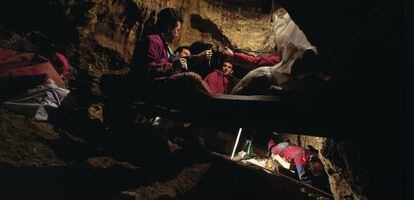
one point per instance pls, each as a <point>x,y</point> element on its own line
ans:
<point>24,16</point>
<point>352,42</point>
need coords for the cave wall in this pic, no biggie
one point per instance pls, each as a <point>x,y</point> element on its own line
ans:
<point>226,24</point>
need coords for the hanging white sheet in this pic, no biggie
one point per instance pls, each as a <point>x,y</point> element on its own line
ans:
<point>289,39</point>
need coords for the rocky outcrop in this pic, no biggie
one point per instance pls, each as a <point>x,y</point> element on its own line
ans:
<point>347,176</point>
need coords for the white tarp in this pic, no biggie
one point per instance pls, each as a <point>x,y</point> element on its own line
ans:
<point>256,161</point>
<point>289,39</point>
<point>37,101</point>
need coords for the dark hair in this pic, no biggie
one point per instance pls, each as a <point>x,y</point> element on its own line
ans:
<point>227,60</point>
<point>181,48</point>
<point>198,47</point>
<point>167,19</point>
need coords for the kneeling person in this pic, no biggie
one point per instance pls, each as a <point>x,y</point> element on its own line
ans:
<point>306,162</point>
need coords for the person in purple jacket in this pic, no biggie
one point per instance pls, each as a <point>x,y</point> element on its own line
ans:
<point>154,62</point>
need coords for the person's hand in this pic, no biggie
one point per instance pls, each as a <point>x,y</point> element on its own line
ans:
<point>183,63</point>
<point>228,51</point>
<point>228,75</point>
<point>205,54</point>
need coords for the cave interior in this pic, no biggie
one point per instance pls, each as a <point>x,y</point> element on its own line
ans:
<point>101,143</point>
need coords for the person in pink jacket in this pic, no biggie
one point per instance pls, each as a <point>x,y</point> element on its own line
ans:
<point>154,63</point>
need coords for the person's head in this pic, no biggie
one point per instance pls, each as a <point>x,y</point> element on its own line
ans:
<point>199,46</point>
<point>183,51</point>
<point>168,23</point>
<point>227,67</point>
<point>315,164</point>
<point>316,168</point>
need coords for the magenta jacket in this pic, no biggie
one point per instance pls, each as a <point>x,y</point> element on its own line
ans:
<point>151,60</point>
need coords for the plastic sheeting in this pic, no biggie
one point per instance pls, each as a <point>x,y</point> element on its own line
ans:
<point>38,101</point>
<point>289,39</point>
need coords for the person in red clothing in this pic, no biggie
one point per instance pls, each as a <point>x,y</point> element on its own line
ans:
<point>221,81</point>
<point>252,62</point>
<point>306,162</point>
